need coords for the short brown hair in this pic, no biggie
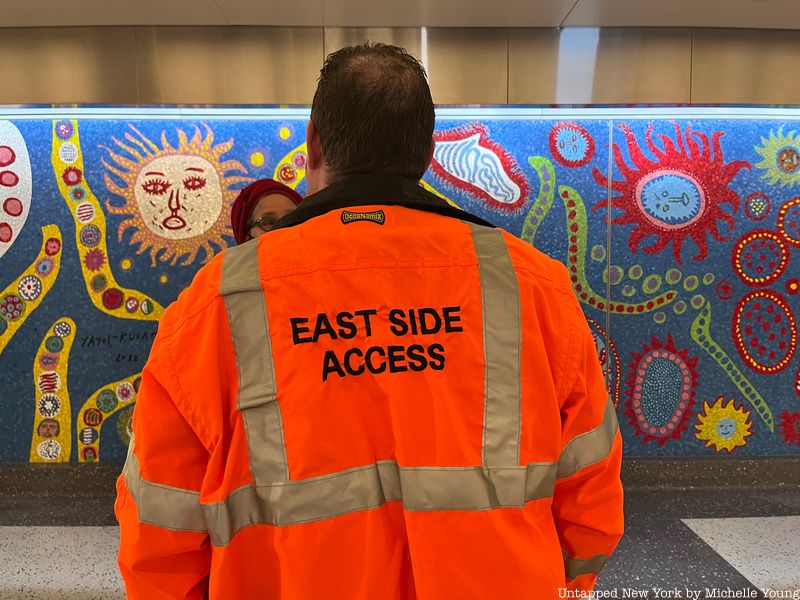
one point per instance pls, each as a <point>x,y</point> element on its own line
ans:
<point>373,112</point>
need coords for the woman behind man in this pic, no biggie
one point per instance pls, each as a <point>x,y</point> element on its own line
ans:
<point>259,206</point>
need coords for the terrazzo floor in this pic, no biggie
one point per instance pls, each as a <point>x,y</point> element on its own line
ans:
<point>678,544</point>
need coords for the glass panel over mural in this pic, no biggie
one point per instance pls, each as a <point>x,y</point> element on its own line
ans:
<point>681,234</point>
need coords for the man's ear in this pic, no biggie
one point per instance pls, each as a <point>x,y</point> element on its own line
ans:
<point>430,154</point>
<point>314,146</point>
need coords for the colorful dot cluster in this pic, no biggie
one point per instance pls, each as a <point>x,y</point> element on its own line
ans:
<point>23,296</point>
<point>90,228</point>
<point>12,206</point>
<point>609,359</point>
<point>789,222</point>
<point>98,409</point>
<point>760,257</point>
<point>764,331</point>
<point>661,388</point>
<point>292,168</point>
<point>16,185</point>
<point>51,441</point>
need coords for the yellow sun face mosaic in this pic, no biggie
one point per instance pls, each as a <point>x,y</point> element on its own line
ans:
<point>177,198</point>
<point>723,426</point>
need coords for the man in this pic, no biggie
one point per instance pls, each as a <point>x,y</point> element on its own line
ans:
<point>382,398</point>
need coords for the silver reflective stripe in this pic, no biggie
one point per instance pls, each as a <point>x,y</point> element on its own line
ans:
<point>575,567</point>
<point>162,505</point>
<point>502,348</point>
<point>590,447</point>
<point>419,488</point>
<point>247,313</point>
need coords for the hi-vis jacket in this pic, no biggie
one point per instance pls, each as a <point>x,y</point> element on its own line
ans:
<point>383,399</point>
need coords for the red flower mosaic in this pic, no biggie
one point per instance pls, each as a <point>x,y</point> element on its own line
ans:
<point>94,259</point>
<point>790,427</point>
<point>72,176</point>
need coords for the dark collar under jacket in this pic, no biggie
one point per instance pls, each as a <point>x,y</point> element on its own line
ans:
<point>370,190</point>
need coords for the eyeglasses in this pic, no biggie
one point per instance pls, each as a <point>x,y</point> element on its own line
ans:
<point>265,223</point>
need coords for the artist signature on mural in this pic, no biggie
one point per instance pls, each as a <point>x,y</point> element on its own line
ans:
<point>108,340</point>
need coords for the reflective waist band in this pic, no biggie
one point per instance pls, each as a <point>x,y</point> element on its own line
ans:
<point>418,488</point>
<point>363,488</point>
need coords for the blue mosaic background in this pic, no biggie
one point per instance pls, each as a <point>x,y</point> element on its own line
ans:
<point>678,189</point>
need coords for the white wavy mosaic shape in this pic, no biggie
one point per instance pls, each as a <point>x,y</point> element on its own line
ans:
<point>470,162</point>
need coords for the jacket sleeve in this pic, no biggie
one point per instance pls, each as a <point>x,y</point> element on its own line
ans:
<point>164,550</point>
<point>587,501</point>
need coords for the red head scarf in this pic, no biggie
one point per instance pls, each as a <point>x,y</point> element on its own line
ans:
<point>246,201</point>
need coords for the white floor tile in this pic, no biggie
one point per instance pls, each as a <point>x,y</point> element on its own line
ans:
<point>766,550</point>
<point>69,563</point>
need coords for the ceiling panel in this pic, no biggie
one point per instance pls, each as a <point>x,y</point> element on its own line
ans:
<point>755,14</point>
<point>56,13</point>
<point>445,13</point>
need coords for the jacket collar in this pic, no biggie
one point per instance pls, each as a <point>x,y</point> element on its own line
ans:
<point>373,189</point>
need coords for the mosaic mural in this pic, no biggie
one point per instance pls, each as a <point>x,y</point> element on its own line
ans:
<point>681,239</point>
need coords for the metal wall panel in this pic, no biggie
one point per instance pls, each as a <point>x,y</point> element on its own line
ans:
<point>85,13</point>
<point>604,66</point>
<point>468,66</point>
<point>298,13</point>
<point>78,64</point>
<point>745,66</point>
<point>532,65</point>
<point>228,65</point>
<point>445,13</point>
<point>645,66</point>
<point>184,65</point>
<point>409,38</point>
<point>767,14</point>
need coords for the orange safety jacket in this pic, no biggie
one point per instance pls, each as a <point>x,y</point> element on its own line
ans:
<point>385,398</point>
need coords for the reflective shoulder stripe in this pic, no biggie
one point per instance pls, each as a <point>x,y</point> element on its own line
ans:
<point>419,489</point>
<point>162,505</point>
<point>257,395</point>
<point>502,348</point>
<point>590,447</point>
<point>575,567</point>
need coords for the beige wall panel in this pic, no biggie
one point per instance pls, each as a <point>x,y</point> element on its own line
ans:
<point>226,65</point>
<point>643,66</point>
<point>405,37</point>
<point>303,13</point>
<point>757,14</point>
<point>57,13</point>
<point>445,13</point>
<point>532,65</point>
<point>743,67</point>
<point>468,66</point>
<point>63,65</point>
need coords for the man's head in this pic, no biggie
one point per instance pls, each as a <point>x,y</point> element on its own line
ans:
<point>372,113</point>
